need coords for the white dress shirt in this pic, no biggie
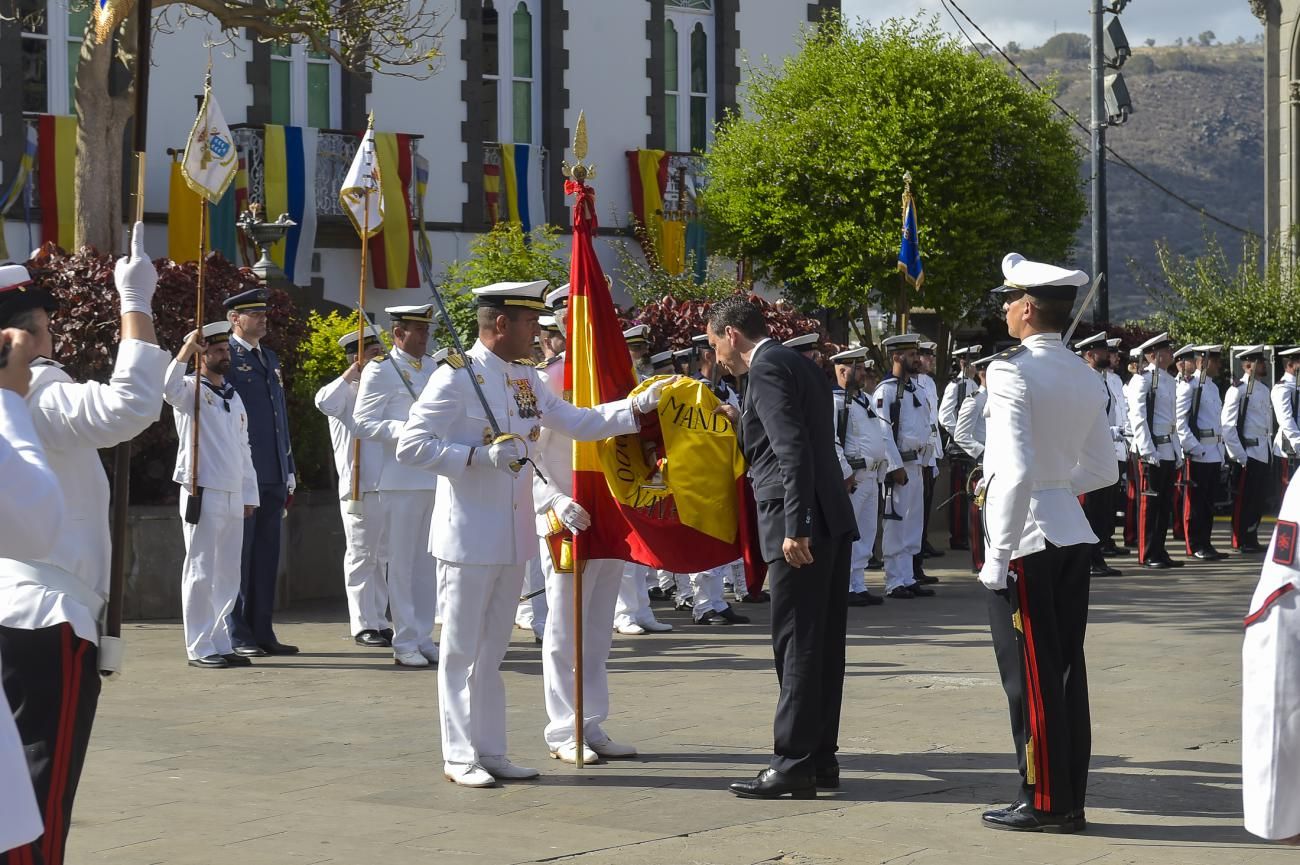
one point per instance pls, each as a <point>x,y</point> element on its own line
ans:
<point>1048,443</point>
<point>73,420</point>
<point>225,458</point>
<point>482,515</point>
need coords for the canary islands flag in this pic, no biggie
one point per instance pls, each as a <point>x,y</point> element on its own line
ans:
<point>909,251</point>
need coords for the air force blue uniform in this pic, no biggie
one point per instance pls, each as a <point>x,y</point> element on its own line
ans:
<point>256,376</point>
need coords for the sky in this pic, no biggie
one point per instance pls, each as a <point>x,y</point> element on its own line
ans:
<point>1032,22</point>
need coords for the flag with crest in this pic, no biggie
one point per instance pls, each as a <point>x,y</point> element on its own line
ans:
<point>210,160</point>
<point>360,196</point>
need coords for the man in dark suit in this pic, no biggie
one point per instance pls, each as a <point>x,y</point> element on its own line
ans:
<point>255,372</point>
<point>806,530</point>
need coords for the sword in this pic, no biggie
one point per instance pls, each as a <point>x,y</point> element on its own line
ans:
<point>1087,302</point>
<point>424,258</point>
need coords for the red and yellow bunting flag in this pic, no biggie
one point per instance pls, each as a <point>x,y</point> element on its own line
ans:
<point>56,160</point>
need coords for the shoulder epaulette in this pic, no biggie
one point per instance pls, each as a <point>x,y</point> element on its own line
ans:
<point>1010,354</point>
<point>379,358</point>
<point>455,360</point>
<point>523,361</point>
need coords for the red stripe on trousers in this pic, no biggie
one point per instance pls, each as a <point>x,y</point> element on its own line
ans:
<point>1187,506</point>
<point>52,841</point>
<point>1037,715</point>
<point>1142,512</point>
<point>1236,506</point>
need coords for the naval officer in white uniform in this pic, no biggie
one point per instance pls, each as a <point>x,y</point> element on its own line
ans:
<point>50,607</point>
<point>364,562</point>
<point>400,499</point>
<point>31,517</point>
<point>1152,397</point>
<point>483,529</point>
<point>227,493</point>
<point>1048,443</point>
<point>1248,435</point>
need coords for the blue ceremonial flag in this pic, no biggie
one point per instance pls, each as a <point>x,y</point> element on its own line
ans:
<point>909,251</point>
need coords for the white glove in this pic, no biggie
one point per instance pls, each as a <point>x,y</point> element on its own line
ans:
<point>293,482</point>
<point>505,455</point>
<point>647,401</point>
<point>995,571</point>
<point>135,276</point>
<point>573,515</point>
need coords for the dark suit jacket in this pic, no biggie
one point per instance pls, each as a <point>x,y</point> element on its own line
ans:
<point>262,391</point>
<point>787,434</point>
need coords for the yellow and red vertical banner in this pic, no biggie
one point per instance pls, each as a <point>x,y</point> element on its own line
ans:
<point>392,251</point>
<point>56,158</point>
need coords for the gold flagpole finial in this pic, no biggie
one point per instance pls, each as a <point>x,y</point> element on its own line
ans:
<point>370,121</point>
<point>578,171</point>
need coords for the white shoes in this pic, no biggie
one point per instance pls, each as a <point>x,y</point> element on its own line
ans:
<point>468,775</point>
<point>654,626</point>
<point>410,659</point>
<point>568,753</point>
<point>631,629</point>
<point>610,748</point>
<point>430,653</point>
<point>503,770</point>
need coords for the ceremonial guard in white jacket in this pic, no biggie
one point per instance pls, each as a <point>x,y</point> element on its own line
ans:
<point>1270,688</point>
<point>955,394</point>
<point>924,381</point>
<point>969,435</point>
<point>31,521</point>
<point>902,404</point>
<point>864,444</point>
<point>1184,368</point>
<point>1099,505</point>
<point>1049,442</point>
<point>400,500</point>
<point>1157,450</point>
<point>1198,416</point>
<point>364,560</point>
<point>1122,436</point>
<point>213,520</point>
<point>1248,434</point>
<point>483,529</point>
<point>1286,414</point>
<point>51,606</point>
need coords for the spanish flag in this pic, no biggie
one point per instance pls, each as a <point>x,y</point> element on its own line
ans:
<point>682,514</point>
<point>392,252</point>
<point>56,160</point>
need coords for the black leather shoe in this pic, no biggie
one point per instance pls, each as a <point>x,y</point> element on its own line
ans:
<point>870,599</point>
<point>902,593</point>
<point>387,634</point>
<point>875,564</point>
<point>928,550</point>
<point>278,648</point>
<point>209,662</point>
<point>1253,549</point>
<point>1173,563</point>
<point>1210,555</point>
<point>759,597</point>
<point>712,617</point>
<point>233,660</point>
<point>919,591</point>
<point>732,616</point>
<point>1156,565</point>
<point>771,784</point>
<point>925,579</point>
<point>251,651</point>
<point>965,548</point>
<point>1105,570</point>
<point>856,599</point>
<point>371,640</point>
<point>655,593</point>
<point>828,778</point>
<point>1023,818</point>
<point>1112,550</point>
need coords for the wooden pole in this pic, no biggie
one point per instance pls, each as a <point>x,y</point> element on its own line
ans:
<point>198,365</point>
<point>361,338</point>
<point>579,720</point>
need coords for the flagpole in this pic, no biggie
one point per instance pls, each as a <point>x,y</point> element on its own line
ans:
<point>198,370</point>
<point>902,275</point>
<point>368,190</point>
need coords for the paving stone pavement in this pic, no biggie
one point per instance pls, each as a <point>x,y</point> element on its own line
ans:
<point>332,756</point>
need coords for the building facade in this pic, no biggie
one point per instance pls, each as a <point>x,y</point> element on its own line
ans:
<point>649,74</point>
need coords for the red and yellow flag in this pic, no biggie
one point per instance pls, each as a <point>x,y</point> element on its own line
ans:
<point>650,498</point>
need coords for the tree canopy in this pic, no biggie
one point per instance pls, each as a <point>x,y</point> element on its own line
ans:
<point>808,179</point>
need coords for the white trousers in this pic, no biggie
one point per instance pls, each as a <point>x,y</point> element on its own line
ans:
<point>1270,720</point>
<point>633,604</point>
<point>363,571</point>
<point>706,588</point>
<point>210,573</point>
<point>532,612</point>
<point>902,538</point>
<point>601,579</point>
<point>865,500</point>
<point>478,616</point>
<point>412,571</point>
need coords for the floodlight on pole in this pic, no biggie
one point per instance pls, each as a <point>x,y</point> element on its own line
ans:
<point>1117,47</point>
<point>1118,104</point>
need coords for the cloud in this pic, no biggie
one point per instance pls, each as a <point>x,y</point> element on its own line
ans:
<point>1032,22</point>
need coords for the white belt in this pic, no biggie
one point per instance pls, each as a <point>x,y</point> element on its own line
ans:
<point>1052,485</point>
<point>15,574</point>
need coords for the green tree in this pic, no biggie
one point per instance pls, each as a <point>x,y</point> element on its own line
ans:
<point>1208,298</point>
<point>807,181</point>
<point>504,254</point>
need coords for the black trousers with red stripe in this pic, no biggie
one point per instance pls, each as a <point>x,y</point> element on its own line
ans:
<point>1155,508</point>
<point>1130,503</point>
<point>959,533</point>
<point>1177,518</point>
<point>976,536</point>
<point>1201,488</point>
<point>1044,674</point>
<point>51,678</point>
<point>1253,482</point>
<point>1099,508</point>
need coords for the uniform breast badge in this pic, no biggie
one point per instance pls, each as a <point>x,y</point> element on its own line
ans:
<point>535,433</point>
<point>524,397</point>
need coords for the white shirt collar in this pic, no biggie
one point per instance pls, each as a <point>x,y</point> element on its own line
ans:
<point>1041,339</point>
<point>246,346</point>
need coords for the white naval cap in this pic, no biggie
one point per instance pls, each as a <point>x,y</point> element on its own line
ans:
<point>1251,352</point>
<point>419,312</point>
<point>684,352</point>
<point>1113,343</point>
<point>1209,349</point>
<point>1160,340</point>
<point>803,342</point>
<point>548,322</point>
<point>850,356</point>
<point>559,298</point>
<point>968,351</point>
<point>527,295</point>
<point>1290,352</point>
<point>1097,340</point>
<point>219,331</point>
<point>349,339</point>
<point>928,346</point>
<point>1134,353</point>
<point>700,340</point>
<point>902,342</point>
<point>663,358</point>
<point>1039,279</point>
<point>637,334</point>
<point>1185,351</point>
